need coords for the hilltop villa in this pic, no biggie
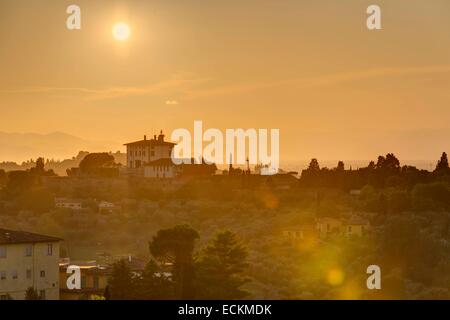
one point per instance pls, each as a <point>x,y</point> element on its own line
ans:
<point>152,158</point>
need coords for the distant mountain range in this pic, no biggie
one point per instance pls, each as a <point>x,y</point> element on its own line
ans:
<point>20,147</point>
<point>419,146</point>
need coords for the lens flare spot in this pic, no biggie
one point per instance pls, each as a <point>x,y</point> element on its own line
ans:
<point>335,277</point>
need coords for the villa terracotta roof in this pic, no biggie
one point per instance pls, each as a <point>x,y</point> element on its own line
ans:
<point>14,237</point>
<point>151,142</point>
<point>161,162</point>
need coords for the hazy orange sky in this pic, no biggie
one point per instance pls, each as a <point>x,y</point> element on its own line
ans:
<point>309,68</point>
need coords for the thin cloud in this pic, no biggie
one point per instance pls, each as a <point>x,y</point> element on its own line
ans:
<point>190,87</point>
<point>174,85</point>
<point>318,81</point>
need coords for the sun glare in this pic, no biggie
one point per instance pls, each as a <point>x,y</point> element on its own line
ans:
<point>121,31</point>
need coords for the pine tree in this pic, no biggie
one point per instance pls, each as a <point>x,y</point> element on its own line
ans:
<point>154,284</point>
<point>340,166</point>
<point>176,245</point>
<point>442,164</point>
<point>219,271</point>
<point>121,282</point>
<point>314,166</point>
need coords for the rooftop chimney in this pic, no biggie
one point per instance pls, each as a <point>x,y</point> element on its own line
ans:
<point>145,138</point>
<point>161,136</point>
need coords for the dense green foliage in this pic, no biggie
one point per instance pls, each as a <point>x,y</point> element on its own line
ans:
<point>217,273</point>
<point>408,210</point>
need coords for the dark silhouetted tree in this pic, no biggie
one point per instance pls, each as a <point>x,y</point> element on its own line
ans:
<point>442,164</point>
<point>388,163</point>
<point>219,271</point>
<point>121,282</point>
<point>314,166</point>
<point>39,169</point>
<point>154,284</point>
<point>176,245</point>
<point>340,166</point>
<point>94,161</point>
<point>18,182</point>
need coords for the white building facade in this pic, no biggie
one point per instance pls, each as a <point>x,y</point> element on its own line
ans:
<point>143,153</point>
<point>28,260</point>
<point>160,169</point>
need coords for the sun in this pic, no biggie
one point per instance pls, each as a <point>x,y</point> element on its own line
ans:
<point>121,31</point>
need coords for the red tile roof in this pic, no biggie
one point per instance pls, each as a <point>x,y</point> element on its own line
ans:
<point>160,162</point>
<point>150,143</point>
<point>14,237</point>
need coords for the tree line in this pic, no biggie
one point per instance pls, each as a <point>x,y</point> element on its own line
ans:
<point>177,272</point>
<point>385,172</point>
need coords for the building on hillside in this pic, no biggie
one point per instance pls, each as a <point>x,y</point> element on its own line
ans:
<point>94,279</point>
<point>73,204</point>
<point>153,159</point>
<point>355,226</point>
<point>108,207</point>
<point>141,152</point>
<point>161,168</point>
<point>28,260</point>
<point>166,169</point>
<point>328,226</point>
<point>355,192</point>
<point>202,169</point>
<point>299,234</point>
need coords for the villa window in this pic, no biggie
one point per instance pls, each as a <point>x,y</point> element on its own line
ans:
<point>28,273</point>
<point>2,252</point>
<point>3,275</point>
<point>15,275</point>
<point>50,249</point>
<point>29,250</point>
<point>42,273</point>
